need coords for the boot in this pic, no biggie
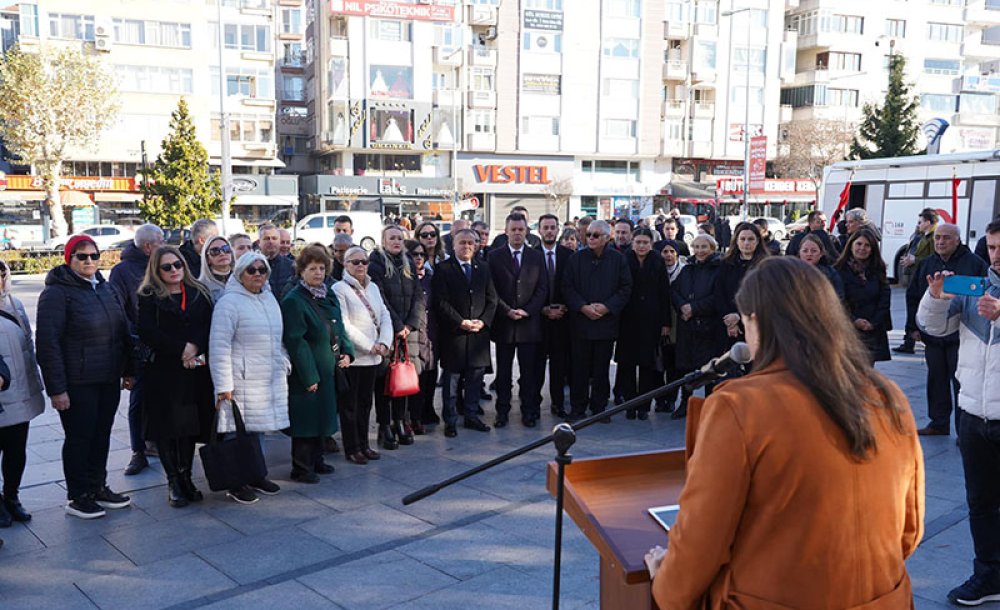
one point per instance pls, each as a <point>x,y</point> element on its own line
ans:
<point>14,508</point>
<point>186,462</point>
<point>387,438</point>
<point>404,436</point>
<point>169,460</point>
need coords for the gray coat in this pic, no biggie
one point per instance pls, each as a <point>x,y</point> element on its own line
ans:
<point>23,401</point>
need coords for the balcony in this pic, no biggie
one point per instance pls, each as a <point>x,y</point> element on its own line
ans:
<point>482,99</point>
<point>701,150</point>
<point>675,70</point>
<point>676,30</point>
<point>674,109</point>
<point>481,141</point>
<point>818,75</point>
<point>703,30</point>
<point>447,97</point>
<point>982,13</point>
<point>483,58</point>
<point>704,75</point>
<point>704,110</point>
<point>338,46</point>
<point>444,56</point>
<point>974,48</point>
<point>293,60</point>
<point>479,15</point>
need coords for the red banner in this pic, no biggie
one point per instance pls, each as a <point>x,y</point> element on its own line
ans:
<point>845,196</point>
<point>758,163</point>
<point>955,181</point>
<point>393,10</point>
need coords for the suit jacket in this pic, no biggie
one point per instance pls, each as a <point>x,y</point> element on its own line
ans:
<point>589,279</point>
<point>754,512</point>
<point>527,290</point>
<point>456,300</point>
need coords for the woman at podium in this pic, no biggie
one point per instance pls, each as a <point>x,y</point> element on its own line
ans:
<point>805,483</point>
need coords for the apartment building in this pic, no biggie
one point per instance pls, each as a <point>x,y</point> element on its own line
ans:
<point>159,52</point>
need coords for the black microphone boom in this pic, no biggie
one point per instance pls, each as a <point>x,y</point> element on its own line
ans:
<point>738,355</point>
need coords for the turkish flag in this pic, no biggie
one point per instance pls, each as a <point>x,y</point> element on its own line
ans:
<point>955,181</point>
<point>845,196</point>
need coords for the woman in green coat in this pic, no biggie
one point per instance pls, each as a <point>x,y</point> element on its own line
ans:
<point>311,315</point>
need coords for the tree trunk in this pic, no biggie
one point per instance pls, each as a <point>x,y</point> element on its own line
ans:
<point>56,214</point>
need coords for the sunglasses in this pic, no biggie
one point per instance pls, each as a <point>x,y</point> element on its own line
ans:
<point>219,250</point>
<point>166,267</point>
<point>256,271</point>
<point>416,254</point>
<point>594,235</point>
<point>426,235</point>
<point>359,261</point>
<point>81,256</point>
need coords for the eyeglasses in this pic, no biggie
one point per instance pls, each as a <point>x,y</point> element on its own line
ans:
<point>416,254</point>
<point>82,256</point>
<point>219,250</point>
<point>256,270</point>
<point>427,234</point>
<point>166,267</point>
<point>359,261</point>
<point>594,235</point>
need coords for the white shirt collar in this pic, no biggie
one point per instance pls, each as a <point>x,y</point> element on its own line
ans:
<point>513,250</point>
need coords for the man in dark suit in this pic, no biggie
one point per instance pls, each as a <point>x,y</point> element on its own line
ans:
<point>522,286</point>
<point>555,319</point>
<point>501,240</point>
<point>671,229</point>
<point>597,285</point>
<point>466,302</point>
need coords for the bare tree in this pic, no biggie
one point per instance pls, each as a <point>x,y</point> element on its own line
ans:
<point>806,147</point>
<point>52,101</point>
<point>559,191</point>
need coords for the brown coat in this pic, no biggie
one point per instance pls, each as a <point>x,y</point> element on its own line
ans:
<point>776,514</point>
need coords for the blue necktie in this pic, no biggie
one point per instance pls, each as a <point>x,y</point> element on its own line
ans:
<point>468,272</point>
<point>517,261</point>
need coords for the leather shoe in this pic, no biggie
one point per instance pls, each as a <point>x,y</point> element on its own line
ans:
<point>450,431</point>
<point>475,424</point>
<point>324,468</point>
<point>371,454</point>
<point>903,349</point>
<point>643,415</point>
<point>558,412</point>
<point>357,458</point>
<point>5,518</point>
<point>501,422</point>
<point>137,464</point>
<point>310,478</point>
<point>929,431</point>
<point>629,413</point>
<point>330,445</point>
<point>529,422</point>
<point>16,510</point>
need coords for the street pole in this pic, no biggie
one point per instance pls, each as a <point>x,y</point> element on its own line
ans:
<point>746,132</point>
<point>225,167</point>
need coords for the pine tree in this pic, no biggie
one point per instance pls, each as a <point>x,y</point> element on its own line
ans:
<point>889,129</point>
<point>178,189</point>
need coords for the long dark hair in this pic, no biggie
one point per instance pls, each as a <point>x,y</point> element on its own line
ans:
<point>436,254</point>
<point>759,253</point>
<point>875,264</point>
<point>153,285</point>
<point>808,328</point>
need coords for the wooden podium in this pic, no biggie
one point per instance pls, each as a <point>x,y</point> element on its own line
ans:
<point>608,499</point>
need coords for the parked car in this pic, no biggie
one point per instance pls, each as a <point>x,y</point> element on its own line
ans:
<point>774,225</point>
<point>107,237</point>
<point>319,228</point>
<point>690,224</point>
<point>797,227</point>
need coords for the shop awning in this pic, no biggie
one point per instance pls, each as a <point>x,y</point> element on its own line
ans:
<point>283,200</point>
<point>75,199</point>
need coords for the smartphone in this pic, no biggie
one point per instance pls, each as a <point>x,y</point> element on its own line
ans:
<point>965,285</point>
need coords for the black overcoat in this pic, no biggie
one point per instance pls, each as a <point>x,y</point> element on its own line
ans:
<point>456,300</point>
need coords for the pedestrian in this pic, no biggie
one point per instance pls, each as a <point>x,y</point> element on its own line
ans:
<point>623,235</point>
<point>570,239</point>
<point>815,225</point>
<point>216,266</point>
<point>393,271</point>
<point>241,243</point>
<point>854,220</point>
<point>175,314</point>
<point>483,230</point>
<point>423,412</point>
<point>459,224</point>
<point>522,285</point>
<point>941,353</point>
<point>125,278</point>
<point>810,465</point>
<point>342,242</point>
<point>772,245</point>
<point>427,233</point>
<point>85,353</point>
<point>465,301</point>
<point>722,231</point>
<point>596,286</point>
<point>748,252</point>
<point>700,331</point>
<point>920,247</point>
<point>22,398</point>
<point>866,292</point>
<point>555,317</point>
<point>248,361</point>
<point>368,325</point>
<point>672,231</point>
<point>531,239</point>
<point>281,276</point>
<point>812,251</point>
<point>673,264</point>
<point>976,321</point>
<point>285,244</point>
<point>201,231</point>
<point>645,321</point>
<point>317,345</point>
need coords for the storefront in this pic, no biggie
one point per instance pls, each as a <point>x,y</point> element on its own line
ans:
<point>260,198</point>
<point>782,199</point>
<point>493,184</point>
<point>391,196</point>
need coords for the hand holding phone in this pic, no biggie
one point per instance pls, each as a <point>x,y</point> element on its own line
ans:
<point>965,285</point>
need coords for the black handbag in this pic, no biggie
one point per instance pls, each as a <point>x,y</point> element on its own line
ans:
<point>232,463</point>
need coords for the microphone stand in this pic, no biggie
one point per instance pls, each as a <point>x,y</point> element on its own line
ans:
<point>563,436</point>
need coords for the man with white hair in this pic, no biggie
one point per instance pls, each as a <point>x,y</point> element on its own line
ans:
<point>854,219</point>
<point>125,278</point>
<point>285,243</point>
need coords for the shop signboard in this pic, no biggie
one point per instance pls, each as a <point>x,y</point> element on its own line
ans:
<point>543,20</point>
<point>758,163</point>
<point>387,9</point>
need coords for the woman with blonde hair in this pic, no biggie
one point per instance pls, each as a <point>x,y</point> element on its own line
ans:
<point>175,315</point>
<point>217,260</point>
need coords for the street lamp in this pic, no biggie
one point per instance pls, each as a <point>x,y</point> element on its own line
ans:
<point>456,133</point>
<point>225,162</point>
<point>746,117</point>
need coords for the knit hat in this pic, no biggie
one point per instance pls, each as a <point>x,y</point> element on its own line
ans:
<point>75,243</point>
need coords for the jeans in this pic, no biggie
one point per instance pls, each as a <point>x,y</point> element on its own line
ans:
<point>473,385</point>
<point>87,424</point>
<point>942,386</point>
<point>979,442</point>
<point>13,457</point>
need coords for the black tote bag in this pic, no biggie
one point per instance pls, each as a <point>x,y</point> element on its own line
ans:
<point>232,463</point>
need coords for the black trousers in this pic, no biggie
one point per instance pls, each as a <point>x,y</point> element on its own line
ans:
<point>13,457</point>
<point>668,352</point>
<point>355,412</point>
<point>942,386</point>
<point>556,350</point>
<point>979,442</point>
<point>428,387</point>
<point>388,410</point>
<point>589,383</point>
<point>649,380</point>
<point>87,424</point>
<point>307,453</point>
<point>528,383</point>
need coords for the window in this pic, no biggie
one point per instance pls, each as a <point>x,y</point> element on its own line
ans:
<point>948,67</point>
<point>252,4</point>
<point>620,87</point>
<point>391,30</point>
<point>246,37</point>
<point>706,12</point>
<point>842,97</point>
<point>799,97</point>
<point>813,22</point>
<point>939,103</point>
<point>447,36</point>
<point>847,24</point>
<point>619,128</point>
<point>545,5</point>
<point>623,8</point>
<point>977,103</point>
<point>738,96</point>
<point>486,2</point>
<point>291,21</point>
<point>543,42</point>
<point>481,79</point>
<point>293,88</point>
<point>758,57</point>
<point>28,18</point>
<point>245,82</point>
<point>79,27</point>
<point>847,62</point>
<point>247,128</point>
<point>611,167</point>
<point>483,122</point>
<point>704,56</point>
<point>621,47</point>
<point>945,32</point>
<point>292,55</point>
<point>676,12</point>
<point>155,79</point>
<point>540,126</point>
<point>674,129</point>
<point>947,2</point>
<point>440,81</point>
<point>153,33</point>
<point>895,28</point>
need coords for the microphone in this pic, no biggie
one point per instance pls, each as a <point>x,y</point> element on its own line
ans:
<point>737,355</point>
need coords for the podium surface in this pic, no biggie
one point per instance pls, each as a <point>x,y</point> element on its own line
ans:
<point>608,498</point>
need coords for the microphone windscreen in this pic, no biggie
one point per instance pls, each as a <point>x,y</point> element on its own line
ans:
<point>740,353</point>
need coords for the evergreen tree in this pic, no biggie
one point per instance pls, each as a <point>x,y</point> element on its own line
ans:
<point>178,189</point>
<point>889,129</point>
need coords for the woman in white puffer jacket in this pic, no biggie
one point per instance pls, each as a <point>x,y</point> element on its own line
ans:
<point>247,359</point>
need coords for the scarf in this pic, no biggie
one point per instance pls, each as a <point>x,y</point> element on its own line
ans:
<point>859,268</point>
<point>317,292</point>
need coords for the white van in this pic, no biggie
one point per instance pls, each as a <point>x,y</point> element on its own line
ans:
<point>319,228</point>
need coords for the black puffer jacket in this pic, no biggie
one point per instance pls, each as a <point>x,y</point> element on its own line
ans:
<point>403,296</point>
<point>82,333</point>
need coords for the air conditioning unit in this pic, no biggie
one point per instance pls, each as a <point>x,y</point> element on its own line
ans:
<point>491,33</point>
<point>103,45</point>
<point>103,28</point>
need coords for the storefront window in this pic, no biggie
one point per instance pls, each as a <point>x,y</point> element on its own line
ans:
<point>381,164</point>
<point>391,126</point>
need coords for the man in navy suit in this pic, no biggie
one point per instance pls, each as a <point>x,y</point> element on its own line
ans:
<point>522,287</point>
<point>555,317</point>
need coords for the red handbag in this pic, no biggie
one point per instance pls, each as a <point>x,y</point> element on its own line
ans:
<point>402,379</point>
